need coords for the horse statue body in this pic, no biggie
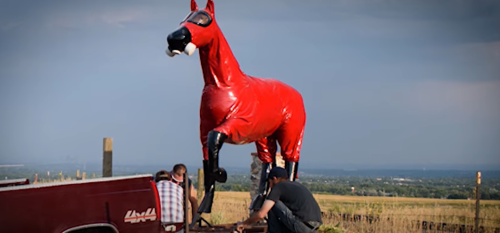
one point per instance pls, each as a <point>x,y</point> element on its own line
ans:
<point>237,108</point>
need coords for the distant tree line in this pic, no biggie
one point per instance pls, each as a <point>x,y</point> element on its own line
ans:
<point>444,188</point>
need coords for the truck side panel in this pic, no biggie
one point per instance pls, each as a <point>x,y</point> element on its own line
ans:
<point>128,204</point>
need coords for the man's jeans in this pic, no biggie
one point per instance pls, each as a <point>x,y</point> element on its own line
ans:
<point>282,220</point>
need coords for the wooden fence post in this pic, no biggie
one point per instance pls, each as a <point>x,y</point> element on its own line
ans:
<point>478,197</point>
<point>201,184</point>
<point>107,158</point>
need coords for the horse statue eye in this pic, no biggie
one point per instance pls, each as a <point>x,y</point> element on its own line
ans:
<point>200,19</point>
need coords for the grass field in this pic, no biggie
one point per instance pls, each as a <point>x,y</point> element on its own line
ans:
<point>397,214</point>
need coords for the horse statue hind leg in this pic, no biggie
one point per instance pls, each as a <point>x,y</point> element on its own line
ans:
<point>237,108</point>
<point>290,140</point>
<point>289,137</point>
<point>266,152</point>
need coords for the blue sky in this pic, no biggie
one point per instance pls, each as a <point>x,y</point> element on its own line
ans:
<point>386,83</point>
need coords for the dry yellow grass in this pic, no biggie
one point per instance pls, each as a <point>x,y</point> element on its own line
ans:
<point>396,214</point>
<point>402,212</point>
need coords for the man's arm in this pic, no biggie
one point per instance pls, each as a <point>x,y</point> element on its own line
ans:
<point>193,200</point>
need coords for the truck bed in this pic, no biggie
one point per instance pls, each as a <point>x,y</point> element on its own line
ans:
<point>124,204</point>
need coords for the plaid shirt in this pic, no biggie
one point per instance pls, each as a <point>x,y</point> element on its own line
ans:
<point>172,200</point>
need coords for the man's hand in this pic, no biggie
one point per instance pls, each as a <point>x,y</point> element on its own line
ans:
<point>239,226</point>
<point>256,216</point>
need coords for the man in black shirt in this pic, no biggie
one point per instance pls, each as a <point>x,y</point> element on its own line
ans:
<point>290,206</point>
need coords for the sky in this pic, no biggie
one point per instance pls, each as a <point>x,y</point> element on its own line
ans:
<point>386,83</point>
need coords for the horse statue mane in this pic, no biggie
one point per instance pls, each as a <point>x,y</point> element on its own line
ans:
<point>237,108</point>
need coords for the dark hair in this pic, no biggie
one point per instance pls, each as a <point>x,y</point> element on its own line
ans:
<point>162,175</point>
<point>278,172</point>
<point>179,169</point>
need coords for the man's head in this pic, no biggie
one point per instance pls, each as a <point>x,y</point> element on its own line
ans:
<point>276,175</point>
<point>162,175</point>
<point>178,172</point>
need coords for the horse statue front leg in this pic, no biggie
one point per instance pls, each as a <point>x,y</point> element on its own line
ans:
<point>212,171</point>
<point>214,142</point>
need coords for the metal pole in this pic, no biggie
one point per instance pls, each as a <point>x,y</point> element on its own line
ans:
<point>186,201</point>
<point>478,197</point>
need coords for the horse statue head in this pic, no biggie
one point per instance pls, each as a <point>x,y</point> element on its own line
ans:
<point>195,31</point>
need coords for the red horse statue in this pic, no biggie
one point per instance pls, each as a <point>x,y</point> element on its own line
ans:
<point>237,108</point>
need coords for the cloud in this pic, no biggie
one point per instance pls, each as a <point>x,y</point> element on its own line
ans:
<point>460,99</point>
<point>489,51</point>
<point>119,18</point>
<point>116,18</point>
<point>7,25</point>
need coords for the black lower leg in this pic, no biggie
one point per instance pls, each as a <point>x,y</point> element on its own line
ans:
<point>263,189</point>
<point>291,168</point>
<point>212,171</point>
<point>215,141</point>
<point>209,182</point>
<point>264,185</point>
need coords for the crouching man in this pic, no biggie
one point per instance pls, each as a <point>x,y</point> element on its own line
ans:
<point>290,207</point>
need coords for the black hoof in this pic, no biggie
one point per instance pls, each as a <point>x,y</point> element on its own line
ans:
<point>220,175</point>
<point>206,204</point>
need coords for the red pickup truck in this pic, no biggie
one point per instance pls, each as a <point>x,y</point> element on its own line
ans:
<point>102,205</point>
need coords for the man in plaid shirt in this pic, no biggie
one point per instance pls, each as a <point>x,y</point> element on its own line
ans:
<point>171,198</point>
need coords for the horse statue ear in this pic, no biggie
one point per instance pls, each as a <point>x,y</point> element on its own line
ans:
<point>210,6</point>
<point>194,6</point>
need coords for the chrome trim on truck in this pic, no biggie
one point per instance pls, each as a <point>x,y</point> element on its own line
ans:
<point>91,226</point>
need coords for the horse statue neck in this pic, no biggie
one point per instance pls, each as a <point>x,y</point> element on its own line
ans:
<point>220,67</point>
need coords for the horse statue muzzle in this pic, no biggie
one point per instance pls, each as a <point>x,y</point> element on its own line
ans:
<point>180,41</point>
